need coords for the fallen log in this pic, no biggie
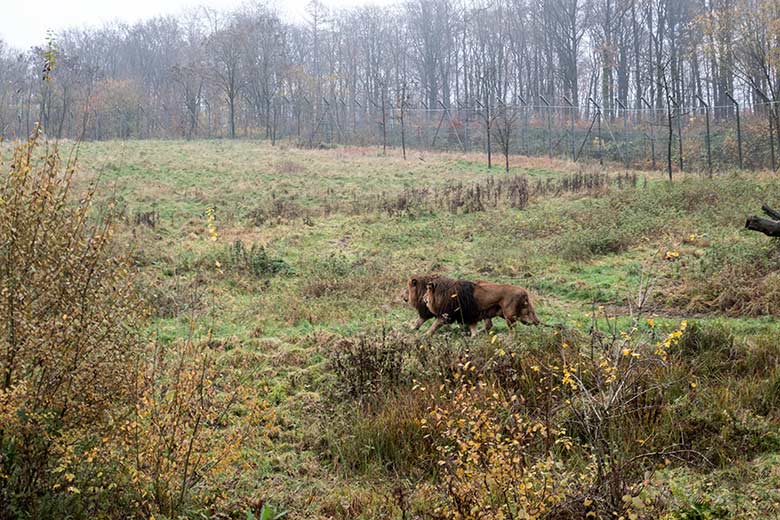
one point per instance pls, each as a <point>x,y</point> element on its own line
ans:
<point>774,215</point>
<point>764,225</point>
<point>768,226</point>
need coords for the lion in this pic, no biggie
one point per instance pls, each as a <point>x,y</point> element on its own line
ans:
<point>413,295</point>
<point>415,291</point>
<point>469,302</point>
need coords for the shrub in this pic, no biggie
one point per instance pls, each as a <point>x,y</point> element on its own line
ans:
<point>279,209</point>
<point>177,438</point>
<point>554,431</point>
<point>67,316</point>
<point>706,337</point>
<point>91,423</point>
<point>717,428</point>
<point>584,244</point>
<point>495,460</point>
<point>373,418</point>
<point>383,433</point>
<point>768,399</point>
<point>737,278</point>
<point>254,261</point>
<point>365,365</point>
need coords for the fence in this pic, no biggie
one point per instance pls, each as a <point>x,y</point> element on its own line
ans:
<point>703,138</point>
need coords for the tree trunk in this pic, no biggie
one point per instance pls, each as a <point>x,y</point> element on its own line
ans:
<point>764,225</point>
<point>232,110</point>
<point>767,226</point>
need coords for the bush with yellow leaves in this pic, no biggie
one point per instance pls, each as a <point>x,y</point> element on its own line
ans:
<point>497,462</point>
<point>67,314</point>
<point>567,427</point>
<point>92,422</point>
<point>178,437</point>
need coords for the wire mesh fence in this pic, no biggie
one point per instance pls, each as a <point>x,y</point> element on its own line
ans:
<point>696,138</point>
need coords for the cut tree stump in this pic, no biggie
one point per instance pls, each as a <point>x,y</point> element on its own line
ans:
<point>767,226</point>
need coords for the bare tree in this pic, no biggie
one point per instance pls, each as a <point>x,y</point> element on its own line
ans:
<point>224,51</point>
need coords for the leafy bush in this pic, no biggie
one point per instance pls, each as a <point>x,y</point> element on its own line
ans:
<point>541,424</point>
<point>177,437</point>
<point>68,350</point>
<point>568,430</point>
<point>91,423</point>
<point>496,460</point>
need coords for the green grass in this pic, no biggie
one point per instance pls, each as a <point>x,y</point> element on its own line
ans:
<point>349,264</point>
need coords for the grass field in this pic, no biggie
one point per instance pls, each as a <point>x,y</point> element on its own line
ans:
<point>277,256</point>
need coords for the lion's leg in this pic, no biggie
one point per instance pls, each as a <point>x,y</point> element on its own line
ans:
<point>474,330</point>
<point>488,325</point>
<point>510,320</point>
<point>436,326</point>
<point>418,323</point>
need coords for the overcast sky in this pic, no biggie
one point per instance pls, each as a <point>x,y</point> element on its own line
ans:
<point>23,23</point>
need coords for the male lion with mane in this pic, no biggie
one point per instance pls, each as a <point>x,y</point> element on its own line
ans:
<point>469,302</point>
<point>415,293</point>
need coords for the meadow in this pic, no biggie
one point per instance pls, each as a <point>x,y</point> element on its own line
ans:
<point>654,393</point>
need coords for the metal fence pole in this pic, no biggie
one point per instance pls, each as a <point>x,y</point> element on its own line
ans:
<point>598,116</point>
<point>549,126</point>
<point>739,128</point>
<point>465,120</point>
<point>384,125</point>
<point>625,131</point>
<point>573,146</point>
<point>652,130</point>
<point>772,138</point>
<point>524,132</point>
<point>709,148</point>
<point>679,134</point>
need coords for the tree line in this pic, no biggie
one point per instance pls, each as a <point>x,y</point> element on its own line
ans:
<point>248,72</point>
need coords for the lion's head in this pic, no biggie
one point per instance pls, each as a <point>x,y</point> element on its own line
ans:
<point>415,291</point>
<point>527,314</point>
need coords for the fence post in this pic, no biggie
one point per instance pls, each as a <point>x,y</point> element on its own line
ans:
<point>739,128</point>
<point>523,133</point>
<point>308,112</point>
<point>465,122</point>
<point>488,124</point>
<point>709,148</point>
<point>403,122</point>
<point>625,131</point>
<point>549,126</point>
<point>573,146</point>
<point>284,114</point>
<point>355,115</point>
<point>598,116</point>
<point>328,128</point>
<point>344,123</point>
<point>772,138</point>
<point>452,124</point>
<point>679,133</point>
<point>384,124</point>
<point>652,130</point>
